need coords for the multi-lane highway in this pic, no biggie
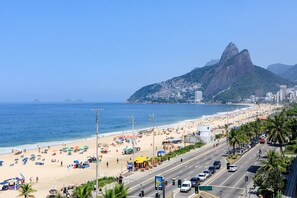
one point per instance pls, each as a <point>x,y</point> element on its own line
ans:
<point>227,183</point>
<point>194,163</point>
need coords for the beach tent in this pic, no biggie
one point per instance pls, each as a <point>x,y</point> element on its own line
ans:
<point>160,153</point>
<point>4,186</point>
<point>141,162</point>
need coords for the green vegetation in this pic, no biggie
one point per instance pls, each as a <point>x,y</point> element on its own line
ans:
<point>26,190</point>
<point>119,191</point>
<point>281,129</point>
<point>180,151</point>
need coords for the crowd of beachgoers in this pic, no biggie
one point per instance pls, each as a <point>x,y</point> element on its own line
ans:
<point>55,167</point>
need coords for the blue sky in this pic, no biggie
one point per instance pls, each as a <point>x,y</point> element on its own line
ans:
<point>105,50</point>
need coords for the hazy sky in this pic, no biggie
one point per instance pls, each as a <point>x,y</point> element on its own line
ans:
<point>105,50</point>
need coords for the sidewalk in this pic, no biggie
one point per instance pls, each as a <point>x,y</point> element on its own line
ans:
<point>135,176</point>
<point>291,185</point>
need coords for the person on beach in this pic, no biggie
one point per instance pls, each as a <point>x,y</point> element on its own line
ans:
<point>107,164</point>
<point>61,163</point>
<point>37,179</point>
<point>117,160</point>
<point>30,180</point>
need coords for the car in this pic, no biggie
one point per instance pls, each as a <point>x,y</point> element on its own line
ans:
<point>195,181</point>
<point>186,186</point>
<point>217,164</point>
<point>207,172</point>
<point>212,169</point>
<point>262,140</point>
<point>232,168</point>
<point>202,176</point>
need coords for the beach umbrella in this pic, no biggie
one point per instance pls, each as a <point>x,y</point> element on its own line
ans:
<point>53,191</point>
<point>69,150</point>
<point>86,147</point>
<point>81,149</point>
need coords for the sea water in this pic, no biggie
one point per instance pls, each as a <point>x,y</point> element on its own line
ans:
<point>26,125</point>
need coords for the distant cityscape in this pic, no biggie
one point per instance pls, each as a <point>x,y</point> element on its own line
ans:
<point>284,95</point>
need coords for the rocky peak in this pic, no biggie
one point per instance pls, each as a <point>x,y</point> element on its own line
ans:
<point>230,51</point>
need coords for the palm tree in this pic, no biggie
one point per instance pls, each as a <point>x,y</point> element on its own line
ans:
<point>234,138</point>
<point>109,193</point>
<point>274,161</point>
<point>84,191</point>
<point>120,191</point>
<point>292,124</point>
<point>278,130</point>
<point>26,190</point>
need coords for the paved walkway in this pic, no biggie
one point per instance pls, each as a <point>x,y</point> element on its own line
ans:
<point>291,185</point>
<point>138,175</point>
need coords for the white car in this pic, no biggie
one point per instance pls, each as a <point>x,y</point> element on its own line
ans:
<point>232,168</point>
<point>207,172</point>
<point>202,176</point>
<point>186,186</point>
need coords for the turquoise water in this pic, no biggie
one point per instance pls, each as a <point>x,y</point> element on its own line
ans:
<point>38,123</point>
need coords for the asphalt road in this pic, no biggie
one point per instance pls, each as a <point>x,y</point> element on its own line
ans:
<point>196,162</point>
<point>233,184</point>
<point>229,184</point>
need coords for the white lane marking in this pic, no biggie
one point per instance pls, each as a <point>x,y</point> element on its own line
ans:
<point>191,172</point>
<point>238,181</point>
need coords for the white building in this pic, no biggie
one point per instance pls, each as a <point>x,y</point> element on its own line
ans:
<point>206,134</point>
<point>198,96</point>
<point>282,92</point>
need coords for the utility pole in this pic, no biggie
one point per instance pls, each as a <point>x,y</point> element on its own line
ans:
<point>97,158</point>
<point>133,139</point>
<point>152,118</point>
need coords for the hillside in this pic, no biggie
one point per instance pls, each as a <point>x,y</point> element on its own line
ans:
<point>232,79</point>
<point>286,71</point>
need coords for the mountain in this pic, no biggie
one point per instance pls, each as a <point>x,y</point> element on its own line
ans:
<point>232,79</point>
<point>286,71</point>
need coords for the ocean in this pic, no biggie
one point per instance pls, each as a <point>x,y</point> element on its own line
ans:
<point>26,125</point>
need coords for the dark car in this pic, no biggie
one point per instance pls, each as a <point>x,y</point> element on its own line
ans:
<point>217,164</point>
<point>195,181</point>
<point>212,169</point>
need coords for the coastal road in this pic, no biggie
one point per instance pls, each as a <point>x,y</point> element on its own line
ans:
<point>233,184</point>
<point>229,184</point>
<point>194,163</point>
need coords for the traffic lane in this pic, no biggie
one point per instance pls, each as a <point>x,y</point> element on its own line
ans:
<point>240,184</point>
<point>186,172</point>
<point>201,163</point>
<point>229,178</point>
<point>188,157</point>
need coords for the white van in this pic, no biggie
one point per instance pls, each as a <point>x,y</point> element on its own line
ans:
<point>186,186</point>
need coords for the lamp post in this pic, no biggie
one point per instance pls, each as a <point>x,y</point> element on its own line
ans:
<point>132,140</point>
<point>97,158</point>
<point>152,118</point>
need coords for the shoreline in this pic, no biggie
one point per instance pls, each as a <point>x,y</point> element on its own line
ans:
<point>30,147</point>
<point>59,175</point>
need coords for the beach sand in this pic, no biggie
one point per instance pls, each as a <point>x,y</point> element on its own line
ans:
<point>53,175</point>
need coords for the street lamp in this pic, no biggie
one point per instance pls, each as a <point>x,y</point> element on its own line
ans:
<point>152,118</point>
<point>97,158</point>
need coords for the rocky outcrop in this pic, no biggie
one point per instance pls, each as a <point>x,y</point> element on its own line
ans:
<point>234,71</point>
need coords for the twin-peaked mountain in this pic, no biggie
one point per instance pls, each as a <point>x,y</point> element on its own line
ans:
<point>233,79</point>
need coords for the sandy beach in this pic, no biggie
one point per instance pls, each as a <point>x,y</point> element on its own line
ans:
<point>54,174</point>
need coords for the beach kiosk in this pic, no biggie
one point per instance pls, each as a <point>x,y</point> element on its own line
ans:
<point>205,133</point>
<point>141,162</point>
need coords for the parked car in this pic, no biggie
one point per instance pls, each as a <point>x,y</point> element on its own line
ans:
<point>232,168</point>
<point>186,186</point>
<point>217,164</point>
<point>207,172</point>
<point>262,140</point>
<point>195,181</point>
<point>212,170</point>
<point>202,176</point>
